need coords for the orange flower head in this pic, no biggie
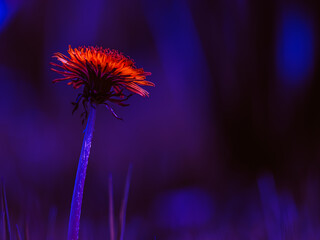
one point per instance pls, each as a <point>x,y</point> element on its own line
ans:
<point>107,76</point>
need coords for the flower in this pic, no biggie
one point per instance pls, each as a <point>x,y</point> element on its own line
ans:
<point>106,75</point>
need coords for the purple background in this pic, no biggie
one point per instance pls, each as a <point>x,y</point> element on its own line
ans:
<point>226,147</point>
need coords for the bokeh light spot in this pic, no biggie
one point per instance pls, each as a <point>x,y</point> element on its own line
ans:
<point>3,12</point>
<point>295,47</point>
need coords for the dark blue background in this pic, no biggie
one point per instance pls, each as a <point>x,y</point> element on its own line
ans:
<point>236,101</point>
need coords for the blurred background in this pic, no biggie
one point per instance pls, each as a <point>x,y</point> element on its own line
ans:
<point>226,147</point>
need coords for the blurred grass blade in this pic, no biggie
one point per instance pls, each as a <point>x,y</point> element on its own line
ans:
<point>51,223</point>
<point>4,207</point>
<point>124,204</point>
<point>270,206</point>
<point>26,231</point>
<point>18,233</point>
<point>3,216</point>
<point>111,210</point>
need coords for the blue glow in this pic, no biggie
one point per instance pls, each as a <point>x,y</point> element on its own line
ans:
<point>3,12</point>
<point>190,207</point>
<point>177,41</point>
<point>295,48</point>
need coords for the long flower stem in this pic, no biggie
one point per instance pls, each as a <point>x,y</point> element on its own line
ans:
<point>74,219</point>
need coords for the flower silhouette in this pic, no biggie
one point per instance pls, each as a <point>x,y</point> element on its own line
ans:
<point>107,76</point>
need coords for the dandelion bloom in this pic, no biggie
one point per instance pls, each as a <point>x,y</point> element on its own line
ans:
<point>107,76</point>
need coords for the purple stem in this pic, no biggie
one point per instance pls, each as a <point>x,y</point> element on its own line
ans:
<point>124,204</point>
<point>111,212</point>
<point>74,219</point>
